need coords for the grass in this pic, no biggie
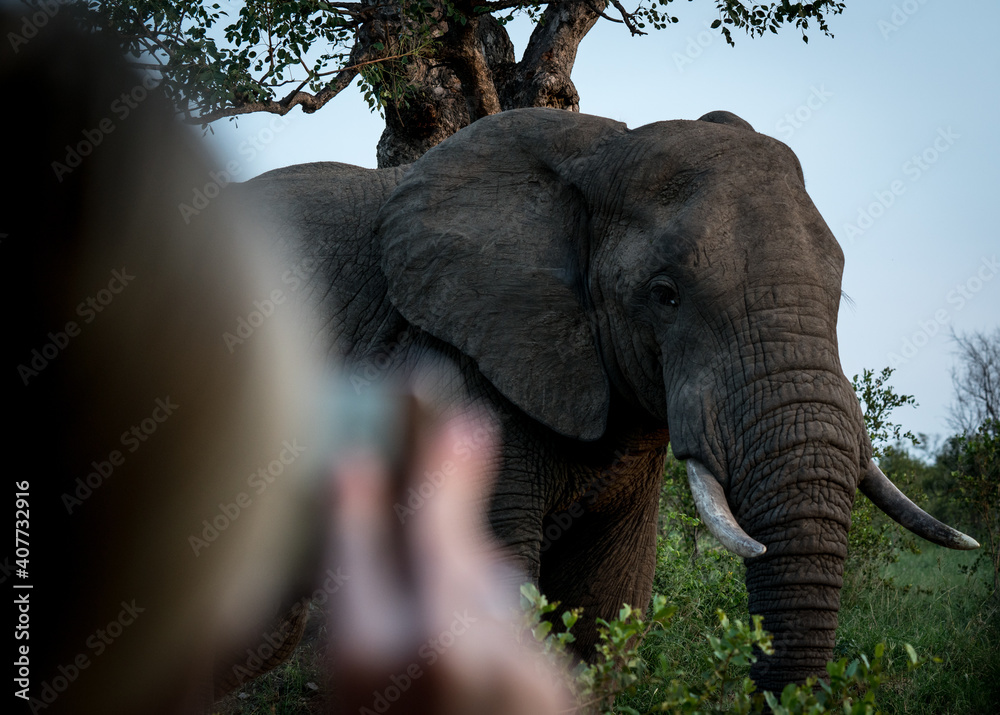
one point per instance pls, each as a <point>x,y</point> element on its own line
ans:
<point>699,587</point>
<point>293,688</point>
<point>926,600</point>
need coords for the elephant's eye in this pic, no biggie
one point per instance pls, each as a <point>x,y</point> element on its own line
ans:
<point>664,294</point>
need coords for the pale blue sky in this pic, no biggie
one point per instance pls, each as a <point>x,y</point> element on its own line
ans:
<point>862,106</point>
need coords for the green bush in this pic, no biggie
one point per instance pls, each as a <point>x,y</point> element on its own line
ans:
<point>700,576</point>
<point>875,541</point>
<point>625,679</point>
<point>978,482</point>
<point>689,657</point>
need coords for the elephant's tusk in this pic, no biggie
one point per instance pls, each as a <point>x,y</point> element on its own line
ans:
<point>887,497</point>
<point>714,510</point>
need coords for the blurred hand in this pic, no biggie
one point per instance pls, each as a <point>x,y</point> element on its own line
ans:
<point>422,623</point>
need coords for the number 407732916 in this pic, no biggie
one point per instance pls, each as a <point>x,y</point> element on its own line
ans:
<point>21,528</point>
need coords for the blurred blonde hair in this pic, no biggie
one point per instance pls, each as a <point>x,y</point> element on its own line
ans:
<point>154,349</point>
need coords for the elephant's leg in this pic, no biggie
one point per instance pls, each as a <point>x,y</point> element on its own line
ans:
<point>600,552</point>
<point>516,514</point>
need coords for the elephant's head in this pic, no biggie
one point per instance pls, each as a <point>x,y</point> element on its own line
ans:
<point>682,268</point>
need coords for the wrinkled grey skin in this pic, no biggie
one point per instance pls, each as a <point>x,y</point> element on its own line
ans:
<point>605,292</point>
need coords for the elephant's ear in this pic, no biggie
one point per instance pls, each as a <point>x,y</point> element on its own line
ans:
<point>723,117</point>
<point>485,246</point>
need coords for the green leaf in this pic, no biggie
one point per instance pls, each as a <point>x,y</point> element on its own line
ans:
<point>541,630</point>
<point>530,591</point>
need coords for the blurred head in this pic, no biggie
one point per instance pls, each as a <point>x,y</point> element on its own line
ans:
<point>160,387</point>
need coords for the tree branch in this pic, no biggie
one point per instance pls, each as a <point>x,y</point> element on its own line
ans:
<point>542,77</point>
<point>627,18</point>
<point>296,98</point>
<point>309,103</point>
<point>600,11</point>
<point>976,380</point>
<point>468,61</point>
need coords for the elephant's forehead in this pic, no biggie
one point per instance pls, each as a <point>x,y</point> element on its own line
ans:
<point>715,224</point>
<point>722,227</point>
<point>656,153</point>
<point>696,208</point>
<point>694,177</point>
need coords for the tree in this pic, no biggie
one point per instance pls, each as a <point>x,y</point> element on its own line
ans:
<point>431,66</point>
<point>976,381</point>
<point>874,541</point>
<point>878,398</point>
<point>978,478</point>
<point>976,412</point>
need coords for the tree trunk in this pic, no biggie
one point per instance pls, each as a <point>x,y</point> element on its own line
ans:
<point>542,78</point>
<point>472,72</point>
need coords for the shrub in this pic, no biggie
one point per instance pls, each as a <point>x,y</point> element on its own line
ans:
<point>624,679</point>
<point>978,481</point>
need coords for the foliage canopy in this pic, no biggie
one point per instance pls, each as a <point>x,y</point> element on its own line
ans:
<point>432,66</point>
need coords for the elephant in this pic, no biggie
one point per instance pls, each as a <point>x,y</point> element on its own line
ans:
<point>606,292</point>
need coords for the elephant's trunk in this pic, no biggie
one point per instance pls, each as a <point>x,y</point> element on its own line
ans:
<point>790,489</point>
<point>799,597</point>
<point>792,482</point>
